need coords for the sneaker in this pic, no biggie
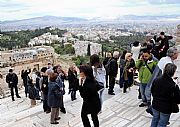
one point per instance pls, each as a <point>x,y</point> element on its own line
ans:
<point>142,105</point>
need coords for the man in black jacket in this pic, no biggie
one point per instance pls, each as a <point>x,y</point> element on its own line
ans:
<point>113,70</point>
<point>12,81</point>
<point>164,44</point>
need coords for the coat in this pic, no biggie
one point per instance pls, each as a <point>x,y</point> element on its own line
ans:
<point>91,101</point>
<point>11,79</point>
<point>113,67</point>
<point>44,85</point>
<point>162,90</point>
<point>73,80</point>
<point>54,95</point>
<point>144,73</point>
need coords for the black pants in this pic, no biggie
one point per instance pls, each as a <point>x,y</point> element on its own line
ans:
<point>26,90</point>
<point>12,91</point>
<point>73,95</point>
<point>111,84</point>
<point>85,119</point>
<point>45,103</point>
<point>107,80</point>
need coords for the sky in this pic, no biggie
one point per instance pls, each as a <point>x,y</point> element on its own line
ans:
<point>105,9</point>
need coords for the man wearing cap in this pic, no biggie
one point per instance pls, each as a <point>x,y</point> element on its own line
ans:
<point>12,81</point>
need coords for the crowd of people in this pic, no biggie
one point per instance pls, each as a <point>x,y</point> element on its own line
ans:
<point>154,65</point>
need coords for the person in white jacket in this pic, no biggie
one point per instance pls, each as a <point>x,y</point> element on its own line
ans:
<point>135,50</point>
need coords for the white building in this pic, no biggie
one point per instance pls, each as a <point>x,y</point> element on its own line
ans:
<point>81,48</point>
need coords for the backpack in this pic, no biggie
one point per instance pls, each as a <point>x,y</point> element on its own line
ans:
<point>107,67</point>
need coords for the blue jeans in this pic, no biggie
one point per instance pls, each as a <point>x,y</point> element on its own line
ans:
<point>121,79</point>
<point>100,92</point>
<point>159,119</point>
<point>142,90</point>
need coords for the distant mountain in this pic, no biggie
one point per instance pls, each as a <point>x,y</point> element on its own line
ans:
<point>40,22</point>
<point>161,17</point>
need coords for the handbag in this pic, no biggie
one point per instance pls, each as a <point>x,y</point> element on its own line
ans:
<point>176,99</point>
<point>99,85</point>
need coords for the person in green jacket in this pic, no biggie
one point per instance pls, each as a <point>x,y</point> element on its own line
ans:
<point>145,65</point>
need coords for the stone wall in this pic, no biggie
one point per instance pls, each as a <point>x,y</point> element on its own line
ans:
<point>178,35</point>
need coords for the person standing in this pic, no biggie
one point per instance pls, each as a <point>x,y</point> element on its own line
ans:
<point>99,73</point>
<point>12,80</point>
<point>172,54</point>
<point>135,50</point>
<point>60,81</point>
<point>73,82</point>
<point>166,96</point>
<point>88,91</point>
<point>33,93</point>
<point>54,95</point>
<point>146,65</point>
<point>121,66</point>
<point>25,77</point>
<point>164,44</point>
<point>105,62</point>
<point>113,70</point>
<point>44,89</point>
<point>128,72</point>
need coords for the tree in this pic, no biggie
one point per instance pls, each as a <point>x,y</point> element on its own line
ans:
<point>89,50</point>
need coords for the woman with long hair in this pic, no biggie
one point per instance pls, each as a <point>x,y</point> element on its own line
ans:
<point>88,91</point>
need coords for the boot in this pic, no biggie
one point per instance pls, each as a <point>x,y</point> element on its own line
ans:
<point>63,110</point>
<point>13,99</point>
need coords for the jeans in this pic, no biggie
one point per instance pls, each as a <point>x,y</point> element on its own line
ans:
<point>142,90</point>
<point>159,119</point>
<point>121,79</point>
<point>101,96</point>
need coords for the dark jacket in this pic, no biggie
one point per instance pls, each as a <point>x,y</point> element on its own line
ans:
<point>25,77</point>
<point>44,86</point>
<point>54,95</point>
<point>162,91</point>
<point>73,80</point>
<point>11,79</point>
<point>113,67</point>
<point>33,93</point>
<point>91,101</point>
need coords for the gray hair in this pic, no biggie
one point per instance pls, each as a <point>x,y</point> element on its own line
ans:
<point>116,54</point>
<point>170,69</point>
<point>172,51</point>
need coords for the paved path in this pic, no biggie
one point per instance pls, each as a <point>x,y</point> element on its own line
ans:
<point>120,110</point>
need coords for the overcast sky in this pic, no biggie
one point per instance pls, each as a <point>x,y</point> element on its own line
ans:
<point>23,9</point>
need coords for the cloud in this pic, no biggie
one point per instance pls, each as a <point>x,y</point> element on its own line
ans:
<point>164,1</point>
<point>22,9</point>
